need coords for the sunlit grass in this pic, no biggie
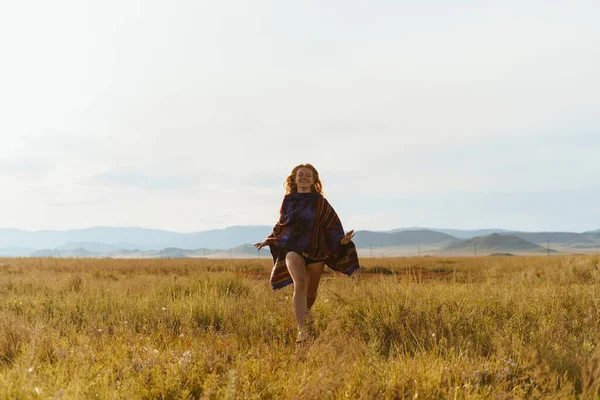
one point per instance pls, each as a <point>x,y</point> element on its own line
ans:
<point>508,327</point>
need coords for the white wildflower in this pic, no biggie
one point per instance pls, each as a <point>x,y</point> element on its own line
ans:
<point>164,308</point>
<point>30,370</point>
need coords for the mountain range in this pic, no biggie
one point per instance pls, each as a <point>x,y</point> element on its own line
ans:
<point>236,241</point>
<point>495,244</point>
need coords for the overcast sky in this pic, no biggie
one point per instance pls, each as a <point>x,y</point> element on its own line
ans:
<point>188,115</point>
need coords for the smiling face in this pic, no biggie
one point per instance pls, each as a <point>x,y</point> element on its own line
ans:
<point>304,179</point>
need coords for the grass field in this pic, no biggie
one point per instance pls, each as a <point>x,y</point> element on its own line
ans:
<point>428,327</point>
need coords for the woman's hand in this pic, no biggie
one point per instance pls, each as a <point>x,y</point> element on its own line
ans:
<point>260,245</point>
<point>348,237</point>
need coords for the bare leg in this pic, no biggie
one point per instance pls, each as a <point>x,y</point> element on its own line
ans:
<point>297,267</point>
<point>314,270</point>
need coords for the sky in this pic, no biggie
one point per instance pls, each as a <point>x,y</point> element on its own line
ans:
<point>189,115</point>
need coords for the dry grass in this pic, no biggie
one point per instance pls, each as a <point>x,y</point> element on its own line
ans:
<point>491,327</point>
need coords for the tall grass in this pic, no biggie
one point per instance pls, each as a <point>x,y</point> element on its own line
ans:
<point>497,327</point>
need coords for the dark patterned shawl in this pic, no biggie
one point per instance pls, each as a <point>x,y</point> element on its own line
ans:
<point>309,226</point>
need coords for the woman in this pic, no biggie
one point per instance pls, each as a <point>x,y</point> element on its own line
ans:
<point>308,236</point>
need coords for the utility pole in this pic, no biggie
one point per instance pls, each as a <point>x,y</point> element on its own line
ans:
<point>419,250</point>
<point>475,248</point>
<point>371,251</point>
<point>548,247</point>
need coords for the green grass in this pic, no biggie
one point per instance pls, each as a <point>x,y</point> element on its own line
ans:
<point>473,327</point>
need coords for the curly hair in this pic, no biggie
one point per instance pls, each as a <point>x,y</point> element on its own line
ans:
<point>290,181</point>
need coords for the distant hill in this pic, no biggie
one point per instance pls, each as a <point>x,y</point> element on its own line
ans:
<point>402,238</point>
<point>224,238</point>
<point>566,239</point>
<point>135,246</point>
<point>494,243</point>
<point>175,252</point>
<point>78,253</point>
<point>144,239</point>
<point>107,235</point>
<point>44,253</point>
<point>457,233</point>
<point>94,247</point>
